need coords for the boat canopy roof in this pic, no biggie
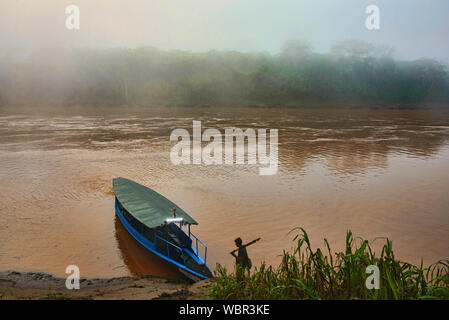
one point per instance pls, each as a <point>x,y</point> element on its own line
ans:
<point>146,205</point>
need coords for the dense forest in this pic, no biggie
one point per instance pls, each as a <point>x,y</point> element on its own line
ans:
<point>353,73</point>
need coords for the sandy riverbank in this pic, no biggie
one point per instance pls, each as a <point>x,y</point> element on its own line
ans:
<point>36,285</point>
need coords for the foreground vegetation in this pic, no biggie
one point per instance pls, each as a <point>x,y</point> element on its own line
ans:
<point>354,73</point>
<point>311,274</point>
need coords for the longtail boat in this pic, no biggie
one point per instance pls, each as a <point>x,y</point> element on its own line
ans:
<point>157,224</point>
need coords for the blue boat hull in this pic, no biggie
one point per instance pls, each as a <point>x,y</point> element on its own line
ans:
<point>151,246</point>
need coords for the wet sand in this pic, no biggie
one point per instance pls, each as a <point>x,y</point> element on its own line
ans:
<point>39,286</point>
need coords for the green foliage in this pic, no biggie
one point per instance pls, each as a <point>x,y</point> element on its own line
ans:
<point>311,274</point>
<point>56,296</point>
<point>355,72</point>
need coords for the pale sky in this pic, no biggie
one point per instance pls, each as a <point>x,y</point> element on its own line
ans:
<point>416,28</point>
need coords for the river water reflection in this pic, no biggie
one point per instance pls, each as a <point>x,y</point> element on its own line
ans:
<point>380,173</point>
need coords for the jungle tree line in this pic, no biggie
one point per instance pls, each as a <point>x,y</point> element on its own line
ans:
<point>353,72</point>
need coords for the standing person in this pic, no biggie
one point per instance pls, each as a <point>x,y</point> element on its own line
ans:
<point>242,261</point>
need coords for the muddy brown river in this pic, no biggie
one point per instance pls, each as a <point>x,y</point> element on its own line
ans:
<point>380,173</point>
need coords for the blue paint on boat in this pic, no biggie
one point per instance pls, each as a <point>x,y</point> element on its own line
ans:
<point>190,252</point>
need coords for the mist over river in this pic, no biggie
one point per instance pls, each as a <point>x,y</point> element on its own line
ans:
<point>380,173</point>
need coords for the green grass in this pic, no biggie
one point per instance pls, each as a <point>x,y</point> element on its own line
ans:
<point>56,296</point>
<point>305,273</point>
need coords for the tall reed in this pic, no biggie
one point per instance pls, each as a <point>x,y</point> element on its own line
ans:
<point>305,273</point>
